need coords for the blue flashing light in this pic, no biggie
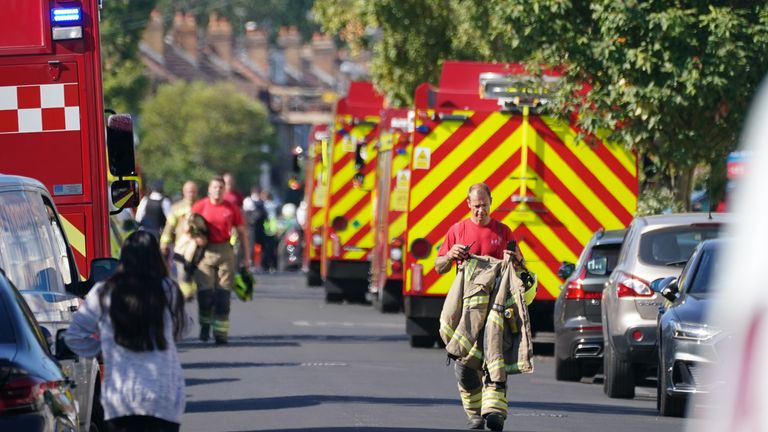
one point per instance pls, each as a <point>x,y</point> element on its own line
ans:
<point>67,15</point>
<point>422,129</point>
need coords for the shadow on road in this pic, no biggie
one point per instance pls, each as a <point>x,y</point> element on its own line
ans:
<point>189,382</point>
<point>271,403</point>
<point>273,341</point>
<point>581,408</point>
<point>232,365</point>
<point>360,428</point>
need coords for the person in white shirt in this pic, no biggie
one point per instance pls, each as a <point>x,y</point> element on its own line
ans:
<point>133,319</point>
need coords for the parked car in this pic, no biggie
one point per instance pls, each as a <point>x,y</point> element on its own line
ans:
<point>687,343</point>
<point>35,393</point>
<point>36,257</point>
<point>578,327</point>
<point>654,247</point>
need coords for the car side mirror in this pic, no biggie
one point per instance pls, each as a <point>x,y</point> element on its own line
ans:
<point>566,269</point>
<point>102,269</point>
<point>62,350</point>
<point>666,287</point>
<point>47,336</point>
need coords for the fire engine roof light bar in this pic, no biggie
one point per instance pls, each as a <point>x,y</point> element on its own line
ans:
<point>516,91</point>
<point>67,15</point>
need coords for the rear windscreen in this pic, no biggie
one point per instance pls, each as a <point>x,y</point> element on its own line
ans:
<point>674,245</point>
<point>603,259</point>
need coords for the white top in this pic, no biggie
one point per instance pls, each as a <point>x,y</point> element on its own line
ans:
<point>146,383</point>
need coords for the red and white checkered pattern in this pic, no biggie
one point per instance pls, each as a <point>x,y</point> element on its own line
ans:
<point>39,108</point>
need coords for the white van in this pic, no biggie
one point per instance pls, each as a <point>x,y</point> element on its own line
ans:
<point>36,258</point>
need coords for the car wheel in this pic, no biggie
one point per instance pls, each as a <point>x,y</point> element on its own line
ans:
<point>567,369</point>
<point>422,341</point>
<point>619,380</point>
<point>669,406</point>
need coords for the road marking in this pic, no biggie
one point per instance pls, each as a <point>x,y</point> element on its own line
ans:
<point>332,364</point>
<point>345,324</point>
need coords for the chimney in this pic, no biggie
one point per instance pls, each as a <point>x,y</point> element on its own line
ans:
<point>153,34</point>
<point>324,54</point>
<point>290,41</point>
<point>257,48</point>
<point>220,36</point>
<point>185,33</point>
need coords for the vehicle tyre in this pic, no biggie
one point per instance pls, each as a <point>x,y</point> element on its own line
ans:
<point>388,301</point>
<point>334,297</point>
<point>313,278</point>
<point>619,380</point>
<point>567,369</point>
<point>669,406</point>
<point>422,341</point>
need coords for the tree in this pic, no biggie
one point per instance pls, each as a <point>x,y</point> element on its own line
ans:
<point>122,25</point>
<point>194,131</point>
<point>670,79</point>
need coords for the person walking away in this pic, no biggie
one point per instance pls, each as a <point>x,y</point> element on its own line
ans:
<point>133,320</point>
<point>215,273</point>
<point>269,252</point>
<point>153,210</point>
<point>176,237</point>
<point>255,215</point>
<point>484,401</point>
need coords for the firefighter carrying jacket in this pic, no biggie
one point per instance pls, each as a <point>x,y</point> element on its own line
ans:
<point>486,329</point>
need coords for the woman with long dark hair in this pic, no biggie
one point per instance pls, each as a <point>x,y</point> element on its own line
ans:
<point>133,319</point>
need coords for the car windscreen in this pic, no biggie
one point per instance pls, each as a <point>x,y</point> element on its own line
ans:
<point>603,259</point>
<point>674,245</point>
<point>702,279</point>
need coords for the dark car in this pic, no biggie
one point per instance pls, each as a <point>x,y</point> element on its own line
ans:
<point>687,343</point>
<point>578,327</point>
<point>34,392</point>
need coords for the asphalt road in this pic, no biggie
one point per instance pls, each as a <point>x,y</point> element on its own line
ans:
<point>295,363</point>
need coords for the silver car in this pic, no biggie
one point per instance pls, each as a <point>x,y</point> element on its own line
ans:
<point>687,344</point>
<point>654,247</point>
<point>578,329</point>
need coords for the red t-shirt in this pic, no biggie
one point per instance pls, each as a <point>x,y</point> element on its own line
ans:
<point>490,240</point>
<point>220,217</point>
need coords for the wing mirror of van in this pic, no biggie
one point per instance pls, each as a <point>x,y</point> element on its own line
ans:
<point>122,161</point>
<point>566,269</point>
<point>123,194</point>
<point>102,269</point>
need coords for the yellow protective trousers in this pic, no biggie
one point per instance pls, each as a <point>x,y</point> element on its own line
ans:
<point>479,395</point>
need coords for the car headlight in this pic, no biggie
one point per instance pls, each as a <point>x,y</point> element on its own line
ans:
<point>694,332</point>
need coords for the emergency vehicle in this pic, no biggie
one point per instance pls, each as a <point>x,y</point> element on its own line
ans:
<point>315,190</point>
<point>52,119</point>
<point>390,202</point>
<point>348,235</point>
<point>551,190</point>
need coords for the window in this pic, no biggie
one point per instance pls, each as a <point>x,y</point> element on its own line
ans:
<point>675,244</point>
<point>702,279</point>
<point>603,259</point>
<point>6,327</point>
<point>59,244</point>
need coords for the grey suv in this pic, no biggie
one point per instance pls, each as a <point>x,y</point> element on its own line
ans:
<point>654,247</point>
<point>578,329</point>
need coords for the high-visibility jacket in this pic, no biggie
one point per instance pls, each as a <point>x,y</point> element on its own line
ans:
<point>484,322</point>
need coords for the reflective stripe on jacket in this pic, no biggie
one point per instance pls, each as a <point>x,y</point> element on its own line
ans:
<point>484,322</point>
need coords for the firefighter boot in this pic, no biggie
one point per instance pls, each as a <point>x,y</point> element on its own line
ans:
<point>205,313</point>
<point>476,422</point>
<point>221,316</point>
<point>495,421</point>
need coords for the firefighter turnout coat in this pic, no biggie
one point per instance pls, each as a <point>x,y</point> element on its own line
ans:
<point>484,321</point>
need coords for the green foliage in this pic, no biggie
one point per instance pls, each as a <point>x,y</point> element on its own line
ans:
<point>669,78</point>
<point>194,131</point>
<point>121,28</point>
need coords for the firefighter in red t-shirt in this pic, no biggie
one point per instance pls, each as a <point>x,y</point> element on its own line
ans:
<point>216,271</point>
<point>489,237</point>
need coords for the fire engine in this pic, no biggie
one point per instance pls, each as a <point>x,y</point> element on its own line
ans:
<point>551,189</point>
<point>348,235</point>
<point>52,118</point>
<point>315,190</point>
<point>390,202</point>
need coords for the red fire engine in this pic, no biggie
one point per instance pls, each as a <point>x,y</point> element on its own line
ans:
<point>52,118</point>
<point>390,202</point>
<point>315,189</point>
<point>551,189</point>
<point>348,237</point>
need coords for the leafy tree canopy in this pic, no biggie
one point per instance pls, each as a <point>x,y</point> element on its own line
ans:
<point>194,131</point>
<point>669,78</point>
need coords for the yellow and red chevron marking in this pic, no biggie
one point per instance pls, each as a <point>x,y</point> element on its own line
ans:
<point>571,189</point>
<point>399,181</point>
<point>74,229</point>
<point>346,200</point>
<point>315,188</point>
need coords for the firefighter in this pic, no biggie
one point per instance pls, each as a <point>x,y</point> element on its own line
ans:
<point>176,233</point>
<point>217,269</point>
<point>154,209</point>
<point>484,400</point>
